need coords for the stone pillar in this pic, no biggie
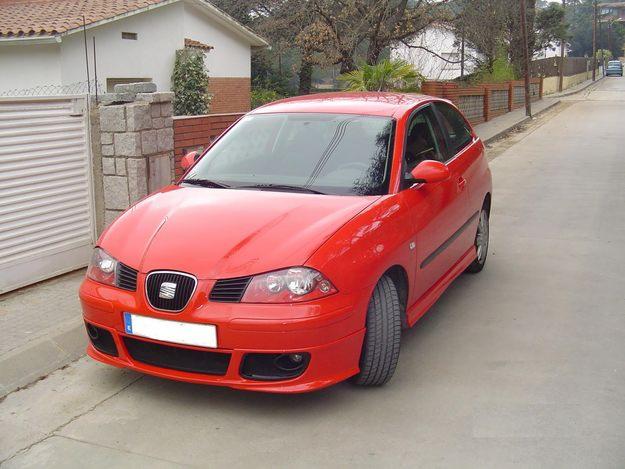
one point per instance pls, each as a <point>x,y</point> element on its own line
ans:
<point>137,143</point>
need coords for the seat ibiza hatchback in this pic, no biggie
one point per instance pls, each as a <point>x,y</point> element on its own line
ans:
<point>293,252</point>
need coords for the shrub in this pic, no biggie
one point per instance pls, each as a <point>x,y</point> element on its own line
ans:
<point>388,75</point>
<point>190,83</point>
<point>262,96</point>
<point>502,70</point>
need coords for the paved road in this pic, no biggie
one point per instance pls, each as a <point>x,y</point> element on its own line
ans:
<point>522,365</point>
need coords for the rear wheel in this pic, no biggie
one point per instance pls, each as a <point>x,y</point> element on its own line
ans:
<point>380,350</point>
<point>481,243</point>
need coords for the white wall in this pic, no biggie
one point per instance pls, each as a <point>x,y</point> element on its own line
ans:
<point>231,56</point>
<point>159,35</point>
<point>28,66</point>
<point>160,32</point>
<point>443,43</point>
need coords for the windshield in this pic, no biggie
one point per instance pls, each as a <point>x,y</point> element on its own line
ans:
<point>329,153</point>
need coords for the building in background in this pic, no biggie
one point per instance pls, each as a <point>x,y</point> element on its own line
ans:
<point>436,53</point>
<point>42,46</point>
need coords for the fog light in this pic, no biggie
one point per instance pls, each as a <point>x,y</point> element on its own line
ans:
<point>296,357</point>
<point>274,366</point>
<point>92,332</point>
<point>289,362</point>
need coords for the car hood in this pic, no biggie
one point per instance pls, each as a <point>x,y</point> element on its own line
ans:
<point>222,233</point>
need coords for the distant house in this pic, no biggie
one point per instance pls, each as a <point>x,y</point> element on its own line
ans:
<point>614,12</point>
<point>435,53</point>
<point>43,46</point>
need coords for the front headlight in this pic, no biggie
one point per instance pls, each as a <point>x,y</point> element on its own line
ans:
<point>287,286</point>
<point>102,267</point>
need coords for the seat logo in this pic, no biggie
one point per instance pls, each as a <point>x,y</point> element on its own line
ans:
<point>167,291</point>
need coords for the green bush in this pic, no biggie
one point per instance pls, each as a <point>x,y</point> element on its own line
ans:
<point>387,75</point>
<point>190,83</point>
<point>502,70</point>
<point>262,96</point>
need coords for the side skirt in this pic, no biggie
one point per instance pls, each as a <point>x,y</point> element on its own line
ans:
<point>425,302</point>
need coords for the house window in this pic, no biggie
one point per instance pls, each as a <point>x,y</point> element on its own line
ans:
<point>111,82</point>
<point>130,36</point>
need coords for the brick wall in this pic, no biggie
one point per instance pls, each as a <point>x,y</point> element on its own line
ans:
<point>486,101</point>
<point>230,95</point>
<point>193,133</point>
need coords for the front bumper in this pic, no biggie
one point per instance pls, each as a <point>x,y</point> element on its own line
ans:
<point>330,330</point>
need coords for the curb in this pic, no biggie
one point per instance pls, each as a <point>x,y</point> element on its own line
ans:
<point>515,126</point>
<point>38,358</point>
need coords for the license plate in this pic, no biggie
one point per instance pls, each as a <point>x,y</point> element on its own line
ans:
<point>201,335</point>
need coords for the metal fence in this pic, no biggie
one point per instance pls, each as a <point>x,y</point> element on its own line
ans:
<point>78,88</point>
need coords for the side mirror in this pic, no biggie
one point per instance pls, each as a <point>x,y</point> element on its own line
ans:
<point>430,171</point>
<point>187,160</point>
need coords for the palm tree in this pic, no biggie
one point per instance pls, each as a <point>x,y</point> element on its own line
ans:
<point>387,75</point>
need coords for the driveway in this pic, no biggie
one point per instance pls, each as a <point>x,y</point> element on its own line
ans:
<point>522,365</point>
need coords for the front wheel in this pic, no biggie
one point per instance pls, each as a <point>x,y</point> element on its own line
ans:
<point>380,350</point>
<point>481,243</point>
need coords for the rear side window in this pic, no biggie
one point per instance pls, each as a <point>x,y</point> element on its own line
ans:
<point>455,128</point>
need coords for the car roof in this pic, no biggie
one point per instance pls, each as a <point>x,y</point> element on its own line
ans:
<point>363,103</point>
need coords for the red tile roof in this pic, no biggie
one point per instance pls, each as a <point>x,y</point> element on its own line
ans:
<point>196,44</point>
<point>49,17</point>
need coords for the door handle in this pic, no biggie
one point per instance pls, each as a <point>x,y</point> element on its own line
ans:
<point>462,183</point>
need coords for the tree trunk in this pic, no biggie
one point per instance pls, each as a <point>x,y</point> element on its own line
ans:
<point>305,77</point>
<point>347,63</point>
<point>373,53</point>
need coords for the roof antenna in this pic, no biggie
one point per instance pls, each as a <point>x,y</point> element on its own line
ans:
<point>84,30</point>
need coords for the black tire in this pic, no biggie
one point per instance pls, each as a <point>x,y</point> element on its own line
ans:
<point>478,264</point>
<point>380,349</point>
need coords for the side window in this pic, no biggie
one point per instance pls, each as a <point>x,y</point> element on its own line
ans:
<point>423,141</point>
<point>455,128</point>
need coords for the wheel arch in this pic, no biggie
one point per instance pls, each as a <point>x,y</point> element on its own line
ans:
<point>487,202</point>
<point>399,276</point>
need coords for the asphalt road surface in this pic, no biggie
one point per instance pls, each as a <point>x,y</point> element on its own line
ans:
<point>520,366</point>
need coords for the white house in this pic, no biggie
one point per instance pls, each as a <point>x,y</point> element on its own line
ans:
<point>44,45</point>
<point>435,53</point>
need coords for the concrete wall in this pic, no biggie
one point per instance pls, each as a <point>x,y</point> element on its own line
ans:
<point>28,66</point>
<point>159,35</point>
<point>231,57</point>
<point>550,84</point>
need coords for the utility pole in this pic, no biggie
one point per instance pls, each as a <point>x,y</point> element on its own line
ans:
<point>594,43</point>
<point>601,45</point>
<point>526,56</point>
<point>462,42</point>
<point>562,42</point>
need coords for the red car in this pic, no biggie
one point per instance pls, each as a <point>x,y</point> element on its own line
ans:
<point>293,252</point>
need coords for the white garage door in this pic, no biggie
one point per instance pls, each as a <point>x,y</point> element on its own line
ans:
<point>46,203</point>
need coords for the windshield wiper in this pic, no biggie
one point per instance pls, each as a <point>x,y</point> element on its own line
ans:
<point>206,183</point>
<point>282,187</point>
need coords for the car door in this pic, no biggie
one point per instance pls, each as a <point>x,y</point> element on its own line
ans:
<point>466,157</point>
<point>436,209</point>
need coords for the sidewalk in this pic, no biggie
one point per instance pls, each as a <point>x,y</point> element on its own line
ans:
<point>41,327</point>
<point>41,330</point>
<point>500,126</point>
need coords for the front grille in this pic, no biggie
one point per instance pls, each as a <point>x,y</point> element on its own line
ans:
<point>229,290</point>
<point>126,277</point>
<point>182,285</point>
<point>177,358</point>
